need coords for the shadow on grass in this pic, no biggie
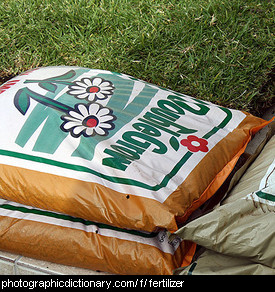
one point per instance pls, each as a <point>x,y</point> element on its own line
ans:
<point>4,77</point>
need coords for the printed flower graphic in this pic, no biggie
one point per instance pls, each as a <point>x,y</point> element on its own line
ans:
<point>88,120</point>
<point>195,144</point>
<point>91,89</point>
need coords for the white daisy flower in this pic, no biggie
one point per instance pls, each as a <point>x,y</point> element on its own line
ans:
<point>91,89</point>
<point>88,120</point>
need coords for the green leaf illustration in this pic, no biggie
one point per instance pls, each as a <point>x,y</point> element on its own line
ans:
<point>174,143</point>
<point>50,83</point>
<point>65,76</point>
<point>48,86</point>
<point>22,101</point>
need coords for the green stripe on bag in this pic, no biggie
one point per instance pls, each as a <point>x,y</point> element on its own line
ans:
<point>265,196</point>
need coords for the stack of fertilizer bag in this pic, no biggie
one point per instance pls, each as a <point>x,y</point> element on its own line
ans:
<point>103,171</point>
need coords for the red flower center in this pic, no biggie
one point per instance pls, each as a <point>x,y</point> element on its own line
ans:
<point>90,122</point>
<point>195,143</point>
<point>93,89</point>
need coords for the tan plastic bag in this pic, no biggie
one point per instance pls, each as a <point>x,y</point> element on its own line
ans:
<point>214,263</point>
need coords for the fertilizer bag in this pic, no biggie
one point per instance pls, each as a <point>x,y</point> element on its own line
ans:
<point>73,241</point>
<point>110,148</point>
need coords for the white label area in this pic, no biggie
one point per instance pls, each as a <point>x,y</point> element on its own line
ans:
<point>107,128</point>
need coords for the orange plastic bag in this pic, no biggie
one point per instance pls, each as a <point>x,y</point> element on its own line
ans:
<point>73,241</point>
<point>110,148</point>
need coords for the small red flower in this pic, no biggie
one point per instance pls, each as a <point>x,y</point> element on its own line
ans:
<point>195,144</point>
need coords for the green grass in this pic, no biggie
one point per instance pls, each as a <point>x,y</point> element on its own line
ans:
<point>219,50</point>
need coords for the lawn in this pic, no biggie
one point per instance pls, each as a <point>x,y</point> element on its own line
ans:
<point>220,51</point>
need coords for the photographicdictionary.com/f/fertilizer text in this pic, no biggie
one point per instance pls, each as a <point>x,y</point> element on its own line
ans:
<point>42,283</point>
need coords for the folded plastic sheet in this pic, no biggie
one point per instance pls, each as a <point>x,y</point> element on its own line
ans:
<point>214,263</point>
